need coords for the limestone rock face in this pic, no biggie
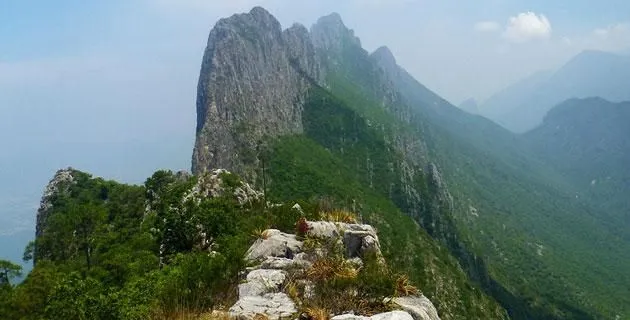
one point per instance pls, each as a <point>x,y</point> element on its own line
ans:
<point>274,244</point>
<point>419,307</point>
<point>252,85</point>
<point>261,281</point>
<point>273,305</point>
<point>393,315</point>
<point>358,239</point>
<point>330,35</point>
<point>211,184</point>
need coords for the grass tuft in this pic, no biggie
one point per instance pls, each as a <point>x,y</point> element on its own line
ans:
<point>317,313</point>
<point>338,216</point>
<point>404,288</point>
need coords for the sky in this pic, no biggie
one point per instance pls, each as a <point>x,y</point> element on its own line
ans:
<point>109,86</point>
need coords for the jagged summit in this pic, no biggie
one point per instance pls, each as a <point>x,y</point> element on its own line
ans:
<point>384,58</point>
<point>257,19</point>
<point>329,33</point>
<point>383,53</point>
<point>332,20</point>
<point>252,84</point>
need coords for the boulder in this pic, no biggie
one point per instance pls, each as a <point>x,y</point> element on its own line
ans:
<point>274,244</point>
<point>419,307</point>
<point>298,261</point>
<point>261,281</point>
<point>349,316</point>
<point>360,241</point>
<point>324,229</point>
<point>273,305</point>
<point>393,315</point>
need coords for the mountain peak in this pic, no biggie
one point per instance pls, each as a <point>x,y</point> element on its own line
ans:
<point>331,20</point>
<point>383,54</point>
<point>231,95</point>
<point>257,18</point>
<point>329,33</point>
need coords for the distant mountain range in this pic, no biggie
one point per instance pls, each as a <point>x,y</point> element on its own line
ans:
<point>523,105</point>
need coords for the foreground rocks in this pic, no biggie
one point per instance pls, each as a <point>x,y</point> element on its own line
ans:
<point>276,254</point>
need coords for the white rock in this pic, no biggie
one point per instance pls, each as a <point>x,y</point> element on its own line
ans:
<point>358,242</point>
<point>324,229</point>
<point>261,281</point>
<point>298,208</point>
<point>349,317</point>
<point>393,315</point>
<point>276,244</point>
<point>273,305</point>
<point>298,261</point>
<point>419,307</point>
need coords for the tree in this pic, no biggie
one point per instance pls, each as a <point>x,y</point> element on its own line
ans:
<point>263,153</point>
<point>8,271</point>
<point>29,251</point>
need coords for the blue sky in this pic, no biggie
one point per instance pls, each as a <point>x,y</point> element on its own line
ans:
<point>109,86</point>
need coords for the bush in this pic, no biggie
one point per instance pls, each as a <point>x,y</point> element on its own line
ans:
<point>77,298</point>
<point>192,280</point>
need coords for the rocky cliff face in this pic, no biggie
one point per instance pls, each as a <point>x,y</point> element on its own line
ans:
<point>60,184</point>
<point>252,84</point>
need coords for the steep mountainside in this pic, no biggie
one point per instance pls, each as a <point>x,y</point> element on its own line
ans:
<point>253,84</point>
<point>339,155</point>
<point>470,106</point>
<point>372,138</point>
<point>509,200</point>
<point>587,140</point>
<point>522,106</point>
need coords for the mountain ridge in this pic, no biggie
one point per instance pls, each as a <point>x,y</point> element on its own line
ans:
<point>521,106</point>
<point>366,102</point>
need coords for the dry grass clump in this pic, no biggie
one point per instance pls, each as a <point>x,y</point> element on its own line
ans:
<point>189,315</point>
<point>404,288</point>
<point>317,313</point>
<point>330,268</point>
<point>260,234</point>
<point>338,216</point>
<point>216,315</point>
<point>260,316</point>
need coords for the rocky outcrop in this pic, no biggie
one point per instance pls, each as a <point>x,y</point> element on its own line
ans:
<point>252,85</point>
<point>358,239</point>
<point>419,307</point>
<point>331,36</point>
<point>274,244</point>
<point>278,257</point>
<point>272,305</point>
<point>60,184</point>
<point>212,184</point>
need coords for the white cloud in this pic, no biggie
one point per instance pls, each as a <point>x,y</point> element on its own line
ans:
<point>487,26</point>
<point>612,38</point>
<point>527,26</point>
<point>618,30</point>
